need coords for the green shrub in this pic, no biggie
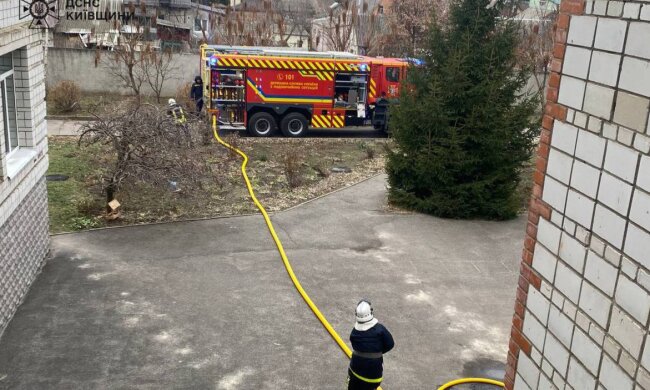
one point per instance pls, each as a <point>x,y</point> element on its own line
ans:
<point>83,223</point>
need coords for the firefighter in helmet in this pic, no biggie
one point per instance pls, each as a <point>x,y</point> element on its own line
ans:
<point>176,111</point>
<point>370,340</point>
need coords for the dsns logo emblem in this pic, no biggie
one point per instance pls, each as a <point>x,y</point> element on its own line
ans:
<point>44,13</point>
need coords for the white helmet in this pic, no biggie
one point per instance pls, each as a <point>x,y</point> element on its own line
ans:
<point>365,318</point>
<point>364,312</point>
<point>171,102</point>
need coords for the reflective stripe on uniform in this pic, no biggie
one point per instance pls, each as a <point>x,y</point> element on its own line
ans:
<point>180,119</point>
<point>367,380</point>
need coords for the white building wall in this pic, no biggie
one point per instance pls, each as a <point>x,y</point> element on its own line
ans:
<point>24,236</point>
<point>588,322</point>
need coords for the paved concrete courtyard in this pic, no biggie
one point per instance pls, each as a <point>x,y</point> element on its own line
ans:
<point>208,304</point>
<point>57,127</point>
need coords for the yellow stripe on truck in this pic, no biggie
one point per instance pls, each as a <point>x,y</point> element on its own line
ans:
<point>319,120</point>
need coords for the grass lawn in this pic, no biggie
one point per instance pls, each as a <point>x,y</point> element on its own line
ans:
<point>78,203</point>
<point>69,200</point>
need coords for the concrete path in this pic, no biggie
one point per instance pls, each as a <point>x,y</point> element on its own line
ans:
<point>56,127</point>
<point>208,305</point>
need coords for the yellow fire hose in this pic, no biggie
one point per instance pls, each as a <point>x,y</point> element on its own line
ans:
<point>463,381</point>
<point>295,280</point>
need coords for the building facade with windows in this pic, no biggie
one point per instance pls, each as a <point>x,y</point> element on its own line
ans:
<point>24,240</point>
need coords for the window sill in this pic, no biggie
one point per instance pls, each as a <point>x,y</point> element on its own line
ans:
<point>18,160</point>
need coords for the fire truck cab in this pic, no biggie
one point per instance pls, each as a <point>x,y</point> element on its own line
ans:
<point>265,90</point>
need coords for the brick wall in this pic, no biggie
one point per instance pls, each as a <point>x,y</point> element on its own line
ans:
<point>8,13</point>
<point>24,243</point>
<point>583,303</point>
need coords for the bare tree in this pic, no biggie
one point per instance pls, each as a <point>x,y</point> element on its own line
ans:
<point>340,28</point>
<point>264,23</point>
<point>209,28</point>
<point>147,144</point>
<point>352,24</point>
<point>245,25</point>
<point>407,25</point>
<point>291,18</point>
<point>158,68</point>
<point>369,26</point>
<point>126,62</point>
<point>283,20</point>
<point>134,62</point>
<point>303,17</point>
<point>536,46</point>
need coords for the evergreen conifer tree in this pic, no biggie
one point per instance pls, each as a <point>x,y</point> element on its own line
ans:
<point>463,127</point>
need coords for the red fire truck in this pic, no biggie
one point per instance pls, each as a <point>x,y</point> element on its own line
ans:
<point>263,90</point>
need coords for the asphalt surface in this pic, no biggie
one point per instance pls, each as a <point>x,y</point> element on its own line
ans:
<point>208,304</point>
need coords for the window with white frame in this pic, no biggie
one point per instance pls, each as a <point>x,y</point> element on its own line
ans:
<point>8,103</point>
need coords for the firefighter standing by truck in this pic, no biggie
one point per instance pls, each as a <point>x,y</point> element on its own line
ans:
<point>370,340</point>
<point>196,93</point>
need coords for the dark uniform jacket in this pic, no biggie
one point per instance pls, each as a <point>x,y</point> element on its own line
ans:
<point>196,92</point>
<point>375,339</point>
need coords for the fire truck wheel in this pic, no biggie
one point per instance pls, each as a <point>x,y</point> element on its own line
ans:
<point>262,124</point>
<point>294,125</point>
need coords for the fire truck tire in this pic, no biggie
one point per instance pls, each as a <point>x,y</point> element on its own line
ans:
<point>262,124</point>
<point>294,125</point>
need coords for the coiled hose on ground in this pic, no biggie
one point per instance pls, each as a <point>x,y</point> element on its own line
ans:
<point>295,280</point>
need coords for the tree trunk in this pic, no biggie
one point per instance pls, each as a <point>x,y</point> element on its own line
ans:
<point>413,38</point>
<point>134,85</point>
<point>110,195</point>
